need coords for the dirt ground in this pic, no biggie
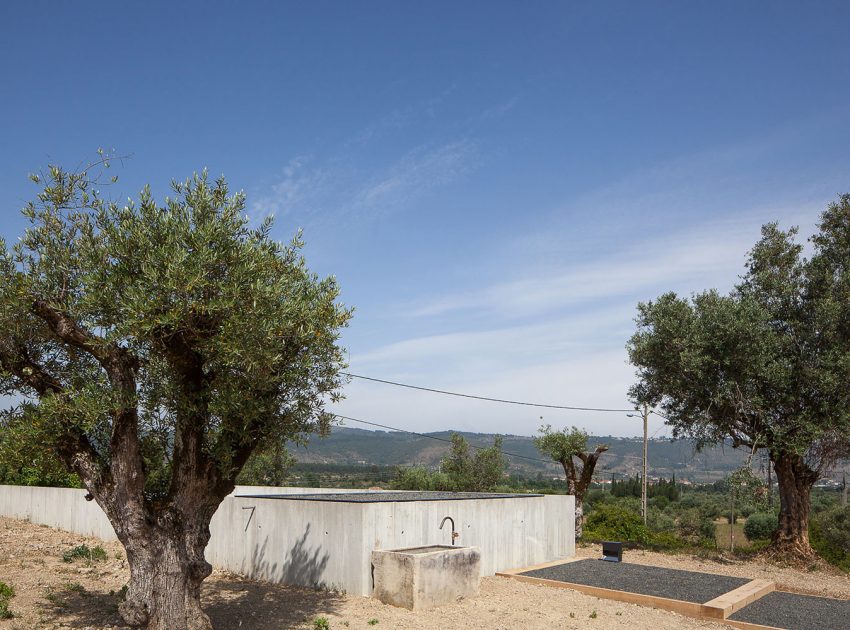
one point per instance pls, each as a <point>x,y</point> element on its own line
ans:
<point>51,593</point>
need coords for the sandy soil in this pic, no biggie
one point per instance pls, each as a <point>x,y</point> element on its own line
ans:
<point>53,594</point>
<point>825,581</point>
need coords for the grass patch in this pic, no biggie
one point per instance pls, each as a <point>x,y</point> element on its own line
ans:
<point>7,592</point>
<point>722,535</point>
<point>76,587</point>
<point>83,552</point>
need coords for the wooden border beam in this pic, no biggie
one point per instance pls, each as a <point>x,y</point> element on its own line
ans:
<point>735,600</point>
<point>718,609</point>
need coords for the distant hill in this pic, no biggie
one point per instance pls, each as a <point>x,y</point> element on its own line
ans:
<point>359,446</point>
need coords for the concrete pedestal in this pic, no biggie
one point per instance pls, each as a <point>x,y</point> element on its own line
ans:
<point>418,578</point>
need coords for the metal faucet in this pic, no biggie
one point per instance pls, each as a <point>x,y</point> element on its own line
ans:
<point>455,535</point>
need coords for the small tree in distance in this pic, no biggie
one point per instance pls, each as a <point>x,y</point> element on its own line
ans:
<point>563,446</point>
<point>473,473</point>
<point>460,469</point>
<point>155,347</point>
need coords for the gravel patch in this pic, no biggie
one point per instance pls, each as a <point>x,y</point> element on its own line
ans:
<point>687,586</point>
<point>389,497</point>
<point>824,582</point>
<point>796,612</point>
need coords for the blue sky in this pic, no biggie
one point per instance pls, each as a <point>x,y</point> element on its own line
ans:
<point>496,185</point>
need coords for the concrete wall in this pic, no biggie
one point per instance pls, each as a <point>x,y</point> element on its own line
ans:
<point>62,508</point>
<point>316,543</point>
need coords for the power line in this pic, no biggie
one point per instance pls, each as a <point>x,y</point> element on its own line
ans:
<point>439,439</point>
<point>497,400</point>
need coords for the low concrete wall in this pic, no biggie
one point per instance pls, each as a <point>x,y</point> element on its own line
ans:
<point>62,508</point>
<point>317,543</point>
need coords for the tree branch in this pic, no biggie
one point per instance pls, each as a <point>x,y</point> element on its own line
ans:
<point>74,448</point>
<point>120,366</point>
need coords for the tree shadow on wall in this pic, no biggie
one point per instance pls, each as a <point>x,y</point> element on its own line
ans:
<point>302,565</point>
<point>232,601</point>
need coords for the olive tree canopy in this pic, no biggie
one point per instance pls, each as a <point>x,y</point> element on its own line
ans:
<point>766,366</point>
<point>155,346</point>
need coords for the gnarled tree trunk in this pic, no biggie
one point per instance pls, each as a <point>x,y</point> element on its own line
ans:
<point>794,480</point>
<point>167,567</point>
<point>578,481</point>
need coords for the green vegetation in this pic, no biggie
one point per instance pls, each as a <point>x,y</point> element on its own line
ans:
<point>830,536</point>
<point>761,526</point>
<point>568,447</point>
<point>153,347</point>
<point>76,587</point>
<point>766,366</point>
<point>615,522</point>
<point>321,623</point>
<point>7,592</point>
<point>82,552</point>
<point>269,466</point>
<point>460,471</point>
<point>694,521</point>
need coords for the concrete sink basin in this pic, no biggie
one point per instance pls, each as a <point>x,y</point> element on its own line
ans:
<point>418,578</point>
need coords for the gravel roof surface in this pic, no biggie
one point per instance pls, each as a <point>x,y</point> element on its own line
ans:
<point>797,612</point>
<point>688,586</point>
<point>385,497</point>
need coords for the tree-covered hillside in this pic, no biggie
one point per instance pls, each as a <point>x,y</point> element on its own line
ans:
<point>358,446</point>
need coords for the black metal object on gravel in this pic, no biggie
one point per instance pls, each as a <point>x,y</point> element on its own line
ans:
<point>797,612</point>
<point>385,497</point>
<point>687,586</point>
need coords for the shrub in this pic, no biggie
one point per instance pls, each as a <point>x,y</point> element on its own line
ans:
<point>660,502</point>
<point>746,510</point>
<point>710,509</point>
<point>420,478</point>
<point>760,526</point>
<point>659,521</point>
<point>82,552</point>
<point>612,522</point>
<point>708,531</point>
<point>6,594</point>
<point>689,501</point>
<point>829,533</point>
<point>667,541</point>
<point>689,526</point>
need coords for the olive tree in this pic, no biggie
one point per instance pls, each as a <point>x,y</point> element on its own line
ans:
<point>766,366</point>
<point>154,346</point>
<point>568,447</point>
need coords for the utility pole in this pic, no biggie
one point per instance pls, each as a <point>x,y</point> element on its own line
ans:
<point>645,414</point>
<point>645,448</point>
<point>844,491</point>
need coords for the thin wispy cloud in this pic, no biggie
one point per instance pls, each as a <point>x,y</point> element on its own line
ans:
<point>702,253</point>
<point>399,118</point>
<point>310,191</point>
<point>500,109</point>
<point>298,183</point>
<point>420,170</point>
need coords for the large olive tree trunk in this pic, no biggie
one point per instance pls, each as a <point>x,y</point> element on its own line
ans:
<point>165,545</point>
<point>167,567</point>
<point>794,480</point>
